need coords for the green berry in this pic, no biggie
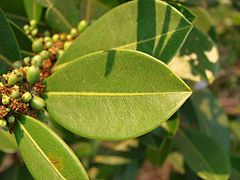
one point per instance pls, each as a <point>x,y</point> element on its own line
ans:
<point>3,123</point>
<point>46,39</point>
<point>55,38</point>
<point>1,84</point>
<point>37,103</point>
<point>46,33</point>
<point>17,64</point>
<point>74,32</point>
<point>60,53</point>
<point>33,74</point>
<point>37,61</point>
<point>8,109</point>
<point>34,32</point>
<point>48,44</point>
<point>19,74</point>
<point>26,60</point>
<point>33,23</point>
<point>62,37</point>
<point>12,79</point>
<point>44,54</point>
<point>5,100</point>
<point>37,46</point>
<point>82,25</point>
<point>26,27</point>
<point>11,119</point>
<point>15,92</point>
<point>26,97</point>
<point>67,44</point>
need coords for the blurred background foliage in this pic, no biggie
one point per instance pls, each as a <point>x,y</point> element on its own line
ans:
<point>189,145</point>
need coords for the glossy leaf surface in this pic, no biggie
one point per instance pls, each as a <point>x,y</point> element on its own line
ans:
<point>204,155</point>
<point>153,27</point>
<point>45,154</point>
<point>33,9</point>
<point>114,94</point>
<point>9,49</point>
<point>7,142</point>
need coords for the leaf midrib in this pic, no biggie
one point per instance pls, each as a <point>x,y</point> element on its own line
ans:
<point>199,155</point>
<point>40,151</point>
<point>112,94</point>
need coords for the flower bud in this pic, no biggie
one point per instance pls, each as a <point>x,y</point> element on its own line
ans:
<point>5,100</point>
<point>26,97</point>
<point>33,74</point>
<point>11,119</point>
<point>37,103</point>
<point>37,46</point>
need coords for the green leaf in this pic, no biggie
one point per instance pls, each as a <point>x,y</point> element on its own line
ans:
<point>198,58</point>
<point>211,118</point>
<point>235,161</point>
<point>7,142</point>
<point>204,155</point>
<point>114,94</point>
<point>16,172</point>
<point>45,154</point>
<point>9,49</point>
<point>61,15</point>
<point>33,9</point>
<point>153,27</point>
<point>24,42</point>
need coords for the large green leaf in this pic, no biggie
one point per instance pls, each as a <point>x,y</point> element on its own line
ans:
<point>61,15</point>
<point>33,9</point>
<point>114,94</point>
<point>45,154</point>
<point>211,118</point>
<point>9,49</point>
<point>150,26</point>
<point>204,155</point>
<point>7,142</point>
<point>198,58</point>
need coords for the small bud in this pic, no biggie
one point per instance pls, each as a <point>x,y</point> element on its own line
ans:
<point>34,32</point>
<point>60,53</point>
<point>33,74</point>
<point>48,44</point>
<point>8,110</point>
<point>55,38</point>
<point>5,100</point>
<point>12,79</point>
<point>47,33</point>
<point>37,46</point>
<point>47,39</point>
<point>3,123</point>
<point>11,119</point>
<point>37,61</point>
<point>82,25</point>
<point>26,27</point>
<point>26,97</point>
<point>69,37</point>
<point>15,93</point>
<point>67,44</point>
<point>44,54</point>
<point>74,32</point>
<point>37,103</point>
<point>62,37</point>
<point>26,60</point>
<point>33,23</point>
<point>19,74</point>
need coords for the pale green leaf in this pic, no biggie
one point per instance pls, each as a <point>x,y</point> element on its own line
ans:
<point>9,49</point>
<point>33,9</point>
<point>7,142</point>
<point>204,155</point>
<point>153,27</point>
<point>114,94</point>
<point>45,154</point>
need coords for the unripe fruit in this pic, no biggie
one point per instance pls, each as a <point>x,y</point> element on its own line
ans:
<point>44,54</point>
<point>33,74</point>
<point>33,23</point>
<point>26,97</point>
<point>15,92</point>
<point>12,79</point>
<point>11,119</point>
<point>5,100</point>
<point>37,61</point>
<point>34,32</point>
<point>74,32</point>
<point>19,74</point>
<point>46,39</point>
<point>82,25</point>
<point>3,123</point>
<point>55,37</point>
<point>26,27</point>
<point>26,60</point>
<point>37,46</point>
<point>48,44</point>
<point>37,103</point>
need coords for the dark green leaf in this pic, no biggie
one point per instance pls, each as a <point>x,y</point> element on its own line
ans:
<point>45,154</point>
<point>115,94</point>
<point>16,172</point>
<point>61,15</point>
<point>33,9</point>
<point>204,155</point>
<point>9,49</point>
<point>150,26</point>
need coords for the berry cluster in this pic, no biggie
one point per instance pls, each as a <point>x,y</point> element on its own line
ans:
<point>21,88</point>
